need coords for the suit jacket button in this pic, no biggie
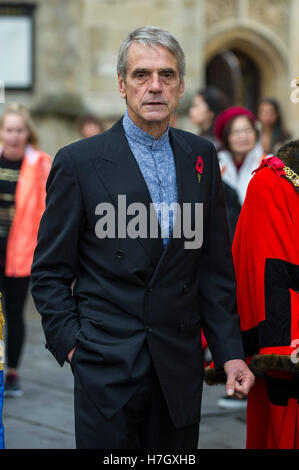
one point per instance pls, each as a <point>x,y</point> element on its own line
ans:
<point>119,254</point>
<point>185,288</point>
<point>148,329</point>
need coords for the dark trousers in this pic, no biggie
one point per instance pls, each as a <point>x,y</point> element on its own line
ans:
<point>14,291</point>
<point>143,423</point>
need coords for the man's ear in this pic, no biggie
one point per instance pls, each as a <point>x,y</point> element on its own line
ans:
<point>121,86</point>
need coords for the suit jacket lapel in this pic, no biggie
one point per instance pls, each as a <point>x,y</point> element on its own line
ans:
<point>189,190</point>
<point>121,175</point>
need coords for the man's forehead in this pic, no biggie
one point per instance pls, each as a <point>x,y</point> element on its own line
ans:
<point>139,55</point>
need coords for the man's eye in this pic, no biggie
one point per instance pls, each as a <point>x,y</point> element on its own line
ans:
<point>140,75</point>
<point>168,75</point>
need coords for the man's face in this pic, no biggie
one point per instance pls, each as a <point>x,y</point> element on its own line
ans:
<point>152,88</point>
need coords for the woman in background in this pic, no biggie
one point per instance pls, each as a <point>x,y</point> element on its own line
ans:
<point>206,105</point>
<point>241,149</point>
<point>23,173</point>
<point>273,133</point>
<point>89,125</point>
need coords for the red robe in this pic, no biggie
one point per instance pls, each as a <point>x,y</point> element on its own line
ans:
<point>266,260</point>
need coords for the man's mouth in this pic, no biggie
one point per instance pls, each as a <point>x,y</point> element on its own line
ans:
<point>155,103</point>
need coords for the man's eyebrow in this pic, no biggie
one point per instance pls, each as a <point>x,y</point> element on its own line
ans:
<point>168,69</point>
<point>143,70</point>
<point>138,70</point>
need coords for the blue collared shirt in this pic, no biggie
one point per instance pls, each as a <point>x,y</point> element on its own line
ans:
<point>156,162</point>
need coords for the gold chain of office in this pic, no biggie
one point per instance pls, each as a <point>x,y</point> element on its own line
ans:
<point>292,176</point>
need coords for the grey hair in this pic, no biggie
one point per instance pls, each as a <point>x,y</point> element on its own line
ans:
<point>150,36</point>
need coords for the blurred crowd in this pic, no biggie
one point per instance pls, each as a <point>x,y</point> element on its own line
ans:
<point>241,139</point>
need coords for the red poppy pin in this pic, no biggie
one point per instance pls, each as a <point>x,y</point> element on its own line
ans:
<point>199,168</point>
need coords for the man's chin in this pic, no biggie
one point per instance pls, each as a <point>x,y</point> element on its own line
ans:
<point>156,116</point>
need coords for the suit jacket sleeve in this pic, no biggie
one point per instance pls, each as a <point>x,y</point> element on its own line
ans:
<point>219,318</point>
<point>54,264</point>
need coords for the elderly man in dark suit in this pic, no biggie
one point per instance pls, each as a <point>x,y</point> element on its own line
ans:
<point>125,303</point>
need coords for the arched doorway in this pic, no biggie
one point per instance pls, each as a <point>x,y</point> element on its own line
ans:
<point>235,73</point>
<point>251,60</point>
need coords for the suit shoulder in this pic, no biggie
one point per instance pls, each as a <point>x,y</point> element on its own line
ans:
<point>82,148</point>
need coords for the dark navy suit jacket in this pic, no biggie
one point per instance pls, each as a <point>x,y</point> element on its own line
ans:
<point>128,302</point>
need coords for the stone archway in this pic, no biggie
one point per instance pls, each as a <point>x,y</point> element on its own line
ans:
<point>237,75</point>
<point>260,45</point>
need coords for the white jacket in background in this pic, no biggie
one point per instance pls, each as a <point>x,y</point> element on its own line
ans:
<point>239,180</point>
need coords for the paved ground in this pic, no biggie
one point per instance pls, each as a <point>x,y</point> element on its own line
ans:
<point>43,417</point>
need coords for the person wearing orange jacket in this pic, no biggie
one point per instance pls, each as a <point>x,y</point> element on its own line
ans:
<point>23,173</point>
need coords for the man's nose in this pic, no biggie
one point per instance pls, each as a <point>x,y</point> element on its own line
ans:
<point>155,83</point>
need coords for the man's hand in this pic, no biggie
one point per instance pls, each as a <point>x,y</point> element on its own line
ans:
<point>239,378</point>
<point>70,354</point>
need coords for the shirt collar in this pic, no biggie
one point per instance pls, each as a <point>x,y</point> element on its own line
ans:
<point>135,133</point>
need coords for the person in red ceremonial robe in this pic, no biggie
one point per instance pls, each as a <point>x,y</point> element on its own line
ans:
<point>266,260</point>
